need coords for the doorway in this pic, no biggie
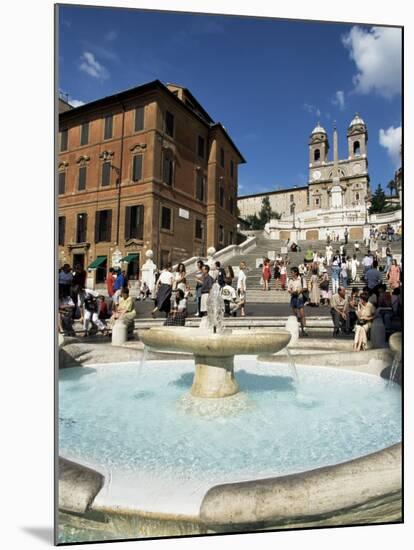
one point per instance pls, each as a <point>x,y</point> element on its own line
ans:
<point>133,267</point>
<point>79,259</point>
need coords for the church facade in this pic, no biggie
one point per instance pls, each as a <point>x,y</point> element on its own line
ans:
<point>332,184</point>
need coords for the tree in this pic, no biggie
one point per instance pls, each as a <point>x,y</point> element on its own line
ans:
<point>378,201</point>
<point>266,213</point>
<point>392,187</point>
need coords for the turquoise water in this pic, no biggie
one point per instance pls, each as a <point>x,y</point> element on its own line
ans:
<point>128,418</point>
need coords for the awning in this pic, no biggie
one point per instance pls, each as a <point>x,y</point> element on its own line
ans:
<point>100,260</point>
<point>129,258</point>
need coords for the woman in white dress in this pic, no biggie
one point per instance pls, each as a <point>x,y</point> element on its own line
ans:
<point>241,287</point>
<point>353,266</point>
<point>365,313</point>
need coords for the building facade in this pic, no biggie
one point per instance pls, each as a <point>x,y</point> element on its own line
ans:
<point>332,184</point>
<point>145,169</point>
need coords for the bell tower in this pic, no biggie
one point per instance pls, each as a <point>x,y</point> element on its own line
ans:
<point>318,146</point>
<point>357,139</point>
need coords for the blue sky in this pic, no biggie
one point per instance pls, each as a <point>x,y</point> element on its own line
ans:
<point>267,81</point>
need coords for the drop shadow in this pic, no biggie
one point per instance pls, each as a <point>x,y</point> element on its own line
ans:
<point>45,534</point>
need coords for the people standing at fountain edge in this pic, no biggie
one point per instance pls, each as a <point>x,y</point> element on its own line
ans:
<point>394,275</point>
<point>206,286</point>
<point>241,287</point>
<point>221,274</point>
<point>65,318</point>
<point>180,280</point>
<point>365,314</point>
<point>110,280</point>
<point>373,276</point>
<point>65,279</point>
<point>164,290</point>
<point>266,274</point>
<point>296,288</point>
<point>339,309</point>
<point>199,282</point>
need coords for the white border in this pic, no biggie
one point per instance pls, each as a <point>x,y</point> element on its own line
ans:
<point>27,252</point>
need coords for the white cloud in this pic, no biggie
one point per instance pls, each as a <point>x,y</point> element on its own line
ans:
<point>76,102</point>
<point>312,109</point>
<point>391,140</point>
<point>377,55</point>
<point>111,35</point>
<point>92,67</point>
<point>339,100</point>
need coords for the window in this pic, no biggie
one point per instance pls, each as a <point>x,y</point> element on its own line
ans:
<point>137,168</point>
<point>166,218</point>
<point>201,147</point>
<point>317,202</point>
<point>198,229</point>
<point>200,186</point>
<point>357,196</point>
<point>221,196</point>
<point>231,237</point>
<point>317,155</point>
<point>134,222</point>
<point>84,137</point>
<point>64,139</point>
<point>168,167</point>
<point>108,126</point>
<point>231,169</point>
<point>221,234</point>
<point>357,148</point>
<point>231,205</point>
<point>139,119</point>
<point>106,173</point>
<point>62,183</point>
<point>62,226</point>
<point>82,178</point>
<point>169,124</point>
<point>81,226</point>
<point>291,198</point>
<point>222,157</point>
<point>103,220</point>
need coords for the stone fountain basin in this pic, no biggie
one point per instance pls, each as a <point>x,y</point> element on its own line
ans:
<point>206,344</point>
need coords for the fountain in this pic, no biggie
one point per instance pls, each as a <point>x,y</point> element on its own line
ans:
<point>181,453</point>
<point>214,348</point>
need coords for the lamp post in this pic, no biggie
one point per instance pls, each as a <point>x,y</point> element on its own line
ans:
<point>293,206</point>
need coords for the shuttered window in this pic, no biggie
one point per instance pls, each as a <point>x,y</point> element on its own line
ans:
<point>169,124</point>
<point>84,137</point>
<point>200,186</point>
<point>222,157</point>
<point>106,173</point>
<point>62,227</point>
<point>108,126</point>
<point>198,229</point>
<point>62,183</point>
<point>168,167</point>
<point>82,178</point>
<point>134,222</point>
<point>221,196</point>
<point>139,119</point>
<point>166,218</point>
<point>103,219</point>
<point>137,168</point>
<point>64,139</point>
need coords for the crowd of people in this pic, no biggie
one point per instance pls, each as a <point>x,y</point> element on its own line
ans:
<point>91,309</point>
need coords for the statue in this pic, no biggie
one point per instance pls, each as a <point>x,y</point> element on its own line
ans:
<point>148,271</point>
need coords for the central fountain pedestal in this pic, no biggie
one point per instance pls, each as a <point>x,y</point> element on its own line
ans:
<point>214,377</point>
<point>214,353</point>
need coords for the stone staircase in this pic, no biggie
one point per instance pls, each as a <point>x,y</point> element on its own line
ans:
<point>255,292</point>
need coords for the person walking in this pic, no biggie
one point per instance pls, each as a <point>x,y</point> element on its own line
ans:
<point>346,234</point>
<point>343,274</point>
<point>328,254</point>
<point>266,274</point>
<point>335,270</point>
<point>241,288</point>
<point>276,273</point>
<point>353,264</point>
<point>206,286</point>
<point>394,275</point>
<point>296,287</point>
<point>199,283</point>
<point>164,291</point>
<point>283,275</point>
<point>367,262</point>
<point>315,291</point>
<point>373,276</point>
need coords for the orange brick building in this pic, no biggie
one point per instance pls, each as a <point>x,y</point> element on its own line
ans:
<point>144,169</point>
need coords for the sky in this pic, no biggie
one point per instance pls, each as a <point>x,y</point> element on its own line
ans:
<point>268,81</point>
